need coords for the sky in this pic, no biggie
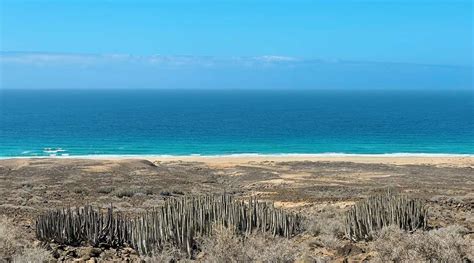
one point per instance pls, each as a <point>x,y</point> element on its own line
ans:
<point>236,44</point>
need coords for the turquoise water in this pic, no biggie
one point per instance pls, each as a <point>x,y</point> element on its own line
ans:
<point>160,122</point>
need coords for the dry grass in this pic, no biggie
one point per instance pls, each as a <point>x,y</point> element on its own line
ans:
<point>223,246</point>
<point>167,255</point>
<point>33,255</point>
<point>10,240</point>
<point>105,190</point>
<point>326,221</point>
<point>327,226</point>
<point>14,248</point>
<point>226,246</point>
<point>442,245</point>
<point>130,192</point>
<point>264,248</point>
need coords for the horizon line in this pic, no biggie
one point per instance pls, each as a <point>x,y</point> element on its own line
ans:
<point>240,89</point>
<point>268,58</point>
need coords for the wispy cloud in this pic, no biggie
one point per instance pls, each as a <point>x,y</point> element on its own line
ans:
<point>66,70</point>
<point>176,61</point>
<point>39,59</point>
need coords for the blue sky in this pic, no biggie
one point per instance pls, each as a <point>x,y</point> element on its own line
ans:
<point>393,44</point>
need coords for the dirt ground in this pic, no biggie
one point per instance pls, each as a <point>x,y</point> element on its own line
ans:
<point>29,187</point>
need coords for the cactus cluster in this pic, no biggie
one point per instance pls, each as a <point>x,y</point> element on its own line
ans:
<point>83,225</point>
<point>370,215</point>
<point>178,222</point>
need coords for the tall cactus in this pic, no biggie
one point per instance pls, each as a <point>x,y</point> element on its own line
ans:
<point>83,226</point>
<point>177,222</point>
<point>370,215</point>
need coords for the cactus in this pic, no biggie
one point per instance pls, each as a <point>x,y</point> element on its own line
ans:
<point>83,226</point>
<point>178,222</point>
<point>370,215</point>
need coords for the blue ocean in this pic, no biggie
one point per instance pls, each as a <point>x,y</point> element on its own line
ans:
<point>225,122</point>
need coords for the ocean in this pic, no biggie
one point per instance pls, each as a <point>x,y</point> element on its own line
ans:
<point>226,122</point>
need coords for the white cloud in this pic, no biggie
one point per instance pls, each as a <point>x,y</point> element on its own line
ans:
<point>90,60</point>
<point>40,59</point>
<point>276,59</point>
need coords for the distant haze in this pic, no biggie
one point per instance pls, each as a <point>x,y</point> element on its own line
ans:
<point>119,71</point>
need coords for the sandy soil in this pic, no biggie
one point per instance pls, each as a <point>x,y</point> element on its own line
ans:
<point>232,160</point>
<point>304,184</point>
<point>35,184</point>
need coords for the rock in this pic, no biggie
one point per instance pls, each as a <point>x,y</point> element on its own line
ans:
<point>349,250</point>
<point>129,251</point>
<point>95,252</point>
<point>108,254</point>
<point>201,255</point>
<point>305,259</point>
<point>69,252</point>
<point>89,252</point>
<point>55,254</point>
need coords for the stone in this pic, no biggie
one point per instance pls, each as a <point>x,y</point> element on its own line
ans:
<point>69,252</point>
<point>56,254</point>
<point>201,255</point>
<point>129,251</point>
<point>89,252</point>
<point>349,250</point>
<point>305,259</point>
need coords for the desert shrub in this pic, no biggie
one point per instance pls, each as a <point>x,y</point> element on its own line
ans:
<point>10,239</point>
<point>79,191</point>
<point>33,255</point>
<point>166,255</point>
<point>391,245</point>
<point>105,190</point>
<point>329,241</point>
<point>147,191</point>
<point>382,210</point>
<point>328,221</point>
<point>14,247</point>
<point>266,248</point>
<point>328,226</point>
<point>442,245</point>
<point>226,246</point>
<point>128,192</point>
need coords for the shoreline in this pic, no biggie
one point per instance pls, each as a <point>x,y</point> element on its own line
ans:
<point>453,160</point>
<point>239,155</point>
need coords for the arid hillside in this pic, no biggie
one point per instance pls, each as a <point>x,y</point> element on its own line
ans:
<point>320,191</point>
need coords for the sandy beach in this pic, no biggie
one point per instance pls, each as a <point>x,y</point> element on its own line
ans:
<point>447,160</point>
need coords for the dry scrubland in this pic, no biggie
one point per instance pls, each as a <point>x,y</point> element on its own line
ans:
<point>320,191</point>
